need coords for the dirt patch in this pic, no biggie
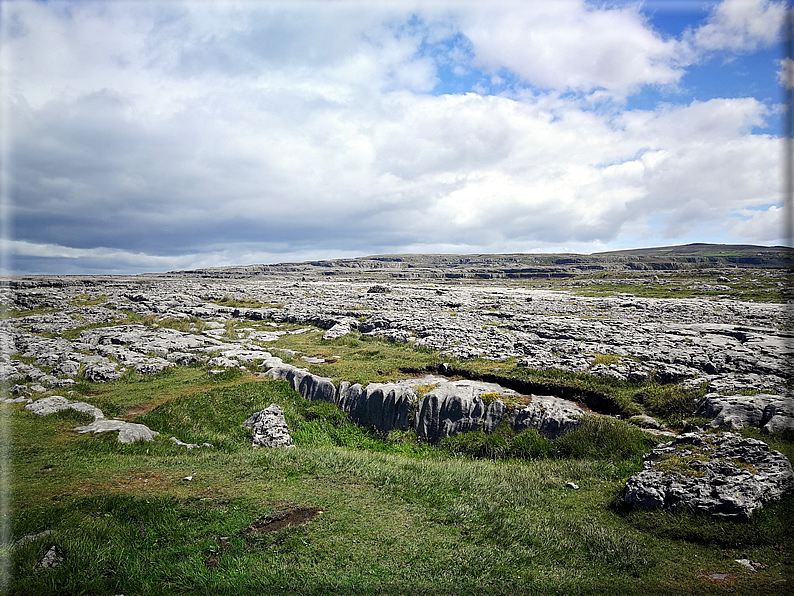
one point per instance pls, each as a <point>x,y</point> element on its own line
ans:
<point>294,516</point>
<point>140,410</point>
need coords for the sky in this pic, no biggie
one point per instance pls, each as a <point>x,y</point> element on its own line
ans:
<point>142,136</point>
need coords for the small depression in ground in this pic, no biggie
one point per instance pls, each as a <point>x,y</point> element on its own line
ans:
<point>294,516</point>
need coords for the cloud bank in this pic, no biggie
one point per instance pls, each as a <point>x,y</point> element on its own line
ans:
<point>151,136</point>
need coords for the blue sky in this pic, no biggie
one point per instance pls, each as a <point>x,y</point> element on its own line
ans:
<point>151,136</point>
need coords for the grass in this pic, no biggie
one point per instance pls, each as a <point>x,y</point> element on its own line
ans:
<point>399,517</point>
<point>356,357</point>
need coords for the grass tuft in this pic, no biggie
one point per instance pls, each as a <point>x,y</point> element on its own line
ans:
<point>604,438</point>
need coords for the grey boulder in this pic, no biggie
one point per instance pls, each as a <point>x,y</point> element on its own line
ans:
<point>722,475</point>
<point>338,330</point>
<point>51,559</point>
<point>550,416</point>
<point>269,428</point>
<point>56,403</point>
<point>102,372</point>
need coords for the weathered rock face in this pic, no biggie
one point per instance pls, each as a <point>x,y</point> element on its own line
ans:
<point>311,387</point>
<point>453,408</point>
<point>102,372</point>
<point>341,329</point>
<point>723,475</point>
<point>770,413</point>
<point>384,406</point>
<point>269,428</point>
<point>550,416</point>
<point>457,407</point>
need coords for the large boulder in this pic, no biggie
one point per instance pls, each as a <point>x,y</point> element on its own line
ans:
<point>770,413</point>
<point>102,372</point>
<point>311,387</point>
<point>384,406</point>
<point>550,416</point>
<point>269,428</point>
<point>722,475</point>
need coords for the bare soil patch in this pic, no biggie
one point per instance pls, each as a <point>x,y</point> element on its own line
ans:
<point>294,516</point>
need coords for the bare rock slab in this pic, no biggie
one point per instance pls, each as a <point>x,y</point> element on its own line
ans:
<point>768,412</point>
<point>55,403</point>
<point>722,475</point>
<point>129,432</point>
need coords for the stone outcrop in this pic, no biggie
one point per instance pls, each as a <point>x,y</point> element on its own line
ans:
<point>51,559</point>
<point>311,387</point>
<point>550,416</point>
<point>269,428</point>
<point>723,475</point>
<point>102,372</point>
<point>129,432</point>
<point>448,410</point>
<point>383,406</point>
<point>770,413</point>
<point>189,446</point>
<point>458,406</point>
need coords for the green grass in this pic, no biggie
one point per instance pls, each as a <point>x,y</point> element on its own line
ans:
<point>355,357</point>
<point>479,514</point>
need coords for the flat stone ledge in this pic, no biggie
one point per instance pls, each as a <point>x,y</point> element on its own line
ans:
<point>129,432</point>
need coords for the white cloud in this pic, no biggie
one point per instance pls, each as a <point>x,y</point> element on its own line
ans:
<point>193,134</point>
<point>570,45</point>
<point>786,73</point>
<point>740,25</point>
<point>760,226</point>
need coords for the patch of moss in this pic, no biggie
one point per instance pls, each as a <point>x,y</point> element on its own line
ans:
<point>679,464</point>
<point>606,359</point>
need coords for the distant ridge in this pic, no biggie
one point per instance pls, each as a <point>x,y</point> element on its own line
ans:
<point>700,256</point>
<point>697,248</point>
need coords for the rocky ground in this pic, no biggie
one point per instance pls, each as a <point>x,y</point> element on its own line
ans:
<point>60,330</point>
<point>76,328</point>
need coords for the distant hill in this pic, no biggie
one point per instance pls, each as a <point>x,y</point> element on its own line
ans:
<point>523,265</point>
